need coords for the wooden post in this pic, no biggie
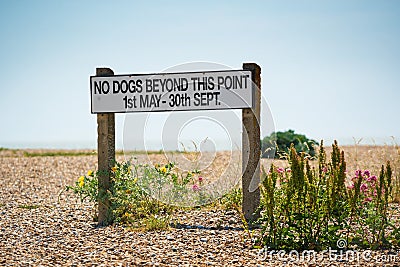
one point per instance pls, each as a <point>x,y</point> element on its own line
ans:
<point>105,156</point>
<point>251,147</point>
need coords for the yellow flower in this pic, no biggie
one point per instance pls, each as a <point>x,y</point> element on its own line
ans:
<point>128,191</point>
<point>130,168</point>
<point>163,170</point>
<point>114,169</point>
<point>81,183</point>
<point>81,179</point>
<point>157,165</point>
<point>135,180</point>
<point>90,173</point>
<point>190,174</point>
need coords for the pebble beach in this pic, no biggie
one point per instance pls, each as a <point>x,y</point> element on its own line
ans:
<point>42,225</point>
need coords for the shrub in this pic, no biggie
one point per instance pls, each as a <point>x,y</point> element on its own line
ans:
<point>136,190</point>
<point>283,140</point>
<point>305,207</point>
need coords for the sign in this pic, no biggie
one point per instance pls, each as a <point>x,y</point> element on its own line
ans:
<point>231,89</point>
<point>112,94</point>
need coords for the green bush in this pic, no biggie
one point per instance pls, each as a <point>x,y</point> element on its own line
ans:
<point>282,142</point>
<point>136,191</point>
<point>314,207</point>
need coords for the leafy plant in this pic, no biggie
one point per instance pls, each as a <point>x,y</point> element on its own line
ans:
<point>283,140</point>
<point>136,191</point>
<point>312,207</point>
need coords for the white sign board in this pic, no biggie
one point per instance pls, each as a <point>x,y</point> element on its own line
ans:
<point>171,91</point>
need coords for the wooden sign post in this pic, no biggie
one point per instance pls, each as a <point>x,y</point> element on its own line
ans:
<point>251,147</point>
<point>105,156</point>
<point>208,90</point>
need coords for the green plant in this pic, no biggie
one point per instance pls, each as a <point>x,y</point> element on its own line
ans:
<point>306,207</point>
<point>283,140</point>
<point>370,210</point>
<point>136,191</point>
<point>232,199</point>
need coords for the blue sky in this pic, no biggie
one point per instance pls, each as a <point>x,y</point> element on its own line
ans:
<point>330,69</point>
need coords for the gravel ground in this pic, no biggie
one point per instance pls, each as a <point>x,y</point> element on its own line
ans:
<point>41,227</point>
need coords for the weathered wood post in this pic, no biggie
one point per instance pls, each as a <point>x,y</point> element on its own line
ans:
<point>105,156</point>
<point>251,147</point>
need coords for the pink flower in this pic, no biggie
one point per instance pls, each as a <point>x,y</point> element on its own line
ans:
<point>350,186</point>
<point>358,173</point>
<point>367,173</point>
<point>364,187</point>
<point>288,170</point>
<point>368,199</point>
<point>375,193</point>
<point>200,178</point>
<point>372,178</point>
<point>325,169</point>
<point>280,170</point>
<point>195,187</point>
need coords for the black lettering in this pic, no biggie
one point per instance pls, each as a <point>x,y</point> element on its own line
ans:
<point>143,100</point>
<point>171,85</point>
<point>184,84</point>
<point>220,81</point>
<point>104,88</point>
<point>149,86</point>
<point>115,87</point>
<point>156,84</point>
<point>210,83</point>
<point>194,79</point>
<point>236,82</point>
<point>97,87</point>
<point>132,86</point>
<point>196,97</point>
<point>124,83</point>
<point>139,88</point>
<point>245,80</point>
<point>228,85</point>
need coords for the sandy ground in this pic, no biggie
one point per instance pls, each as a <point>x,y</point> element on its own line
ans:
<point>40,225</point>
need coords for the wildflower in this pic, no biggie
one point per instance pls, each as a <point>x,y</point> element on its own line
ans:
<point>81,179</point>
<point>325,169</point>
<point>90,173</point>
<point>288,170</point>
<point>200,178</point>
<point>81,183</point>
<point>135,180</point>
<point>128,191</point>
<point>157,165</point>
<point>163,170</point>
<point>364,187</point>
<point>350,186</point>
<point>358,173</point>
<point>372,178</point>
<point>367,173</point>
<point>195,187</point>
<point>280,170</point>
<point>368,199</point>
<point>189,174</point>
